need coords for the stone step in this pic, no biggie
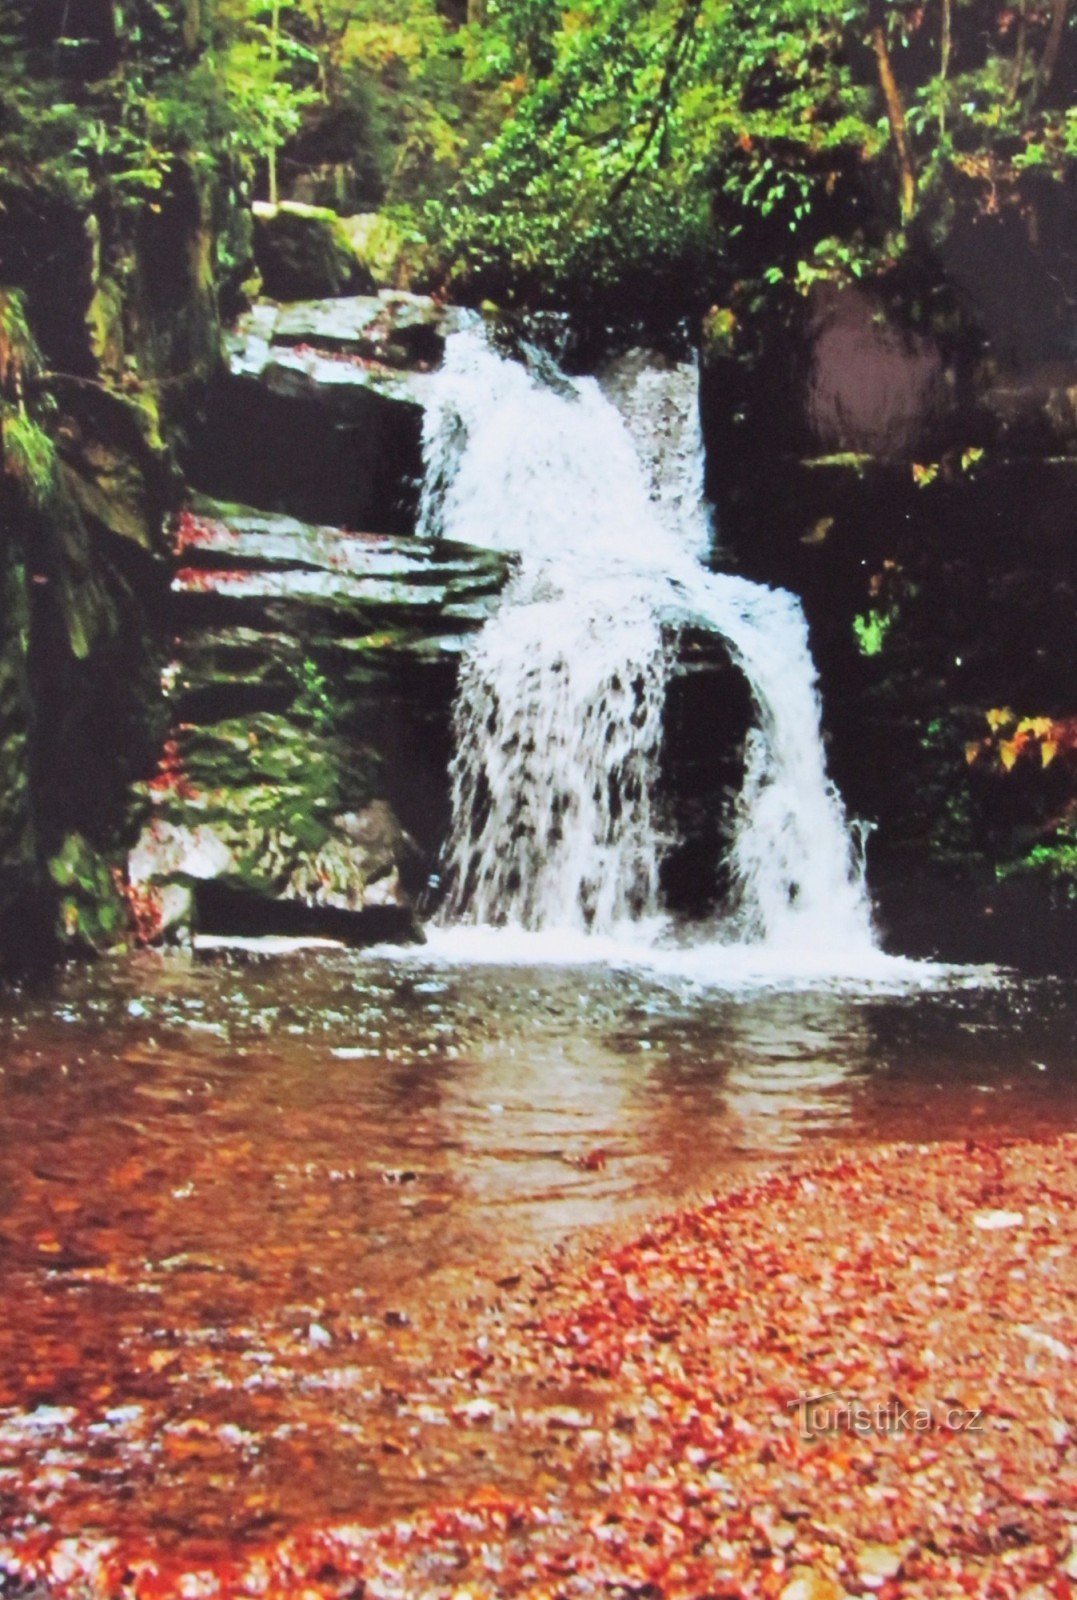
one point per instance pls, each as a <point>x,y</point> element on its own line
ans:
<point>387,343</point>
<point>272,572</point>
<point>218,534</point>
<point>328,433</point>
<point>394,329</point>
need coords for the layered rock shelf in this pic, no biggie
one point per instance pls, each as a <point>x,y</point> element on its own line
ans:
<point>302,786</point>
<point>319,410</point>
<point>296,646</point>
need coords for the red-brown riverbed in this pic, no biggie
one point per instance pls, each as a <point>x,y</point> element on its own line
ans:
<point>250,1207</point>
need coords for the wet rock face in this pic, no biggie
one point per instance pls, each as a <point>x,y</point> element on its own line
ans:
<point>707,716</point>
<point>20,867</point>
<point>872,386</point>
<point>122,306</point>
<point>303,787</point>
<point>320,409</point>
<point>941,600</point>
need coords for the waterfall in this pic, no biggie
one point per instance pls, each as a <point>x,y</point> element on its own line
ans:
<point>558,715</point>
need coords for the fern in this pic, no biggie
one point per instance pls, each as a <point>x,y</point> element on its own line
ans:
<point>20,357</point>
<point>29,455</point>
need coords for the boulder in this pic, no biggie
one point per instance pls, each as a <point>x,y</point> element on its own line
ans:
<point>304,251</point>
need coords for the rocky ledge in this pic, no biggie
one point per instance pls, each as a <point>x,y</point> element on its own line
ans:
<point>318,409</point>
<point>302,783</point>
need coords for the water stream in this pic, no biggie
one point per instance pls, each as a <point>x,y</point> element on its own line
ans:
<point>559,709</point>
<point>252,1202</point>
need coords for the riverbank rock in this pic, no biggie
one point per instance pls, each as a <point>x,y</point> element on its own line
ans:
<point>23,906</point>
<point>112,326</point>
<point>303,783</point>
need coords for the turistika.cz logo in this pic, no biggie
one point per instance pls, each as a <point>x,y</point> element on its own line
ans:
<point>821,1414</point>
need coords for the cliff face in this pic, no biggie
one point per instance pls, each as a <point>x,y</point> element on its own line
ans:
<point>120,314</point>
<point>229,711</point>
<point>922,503</point>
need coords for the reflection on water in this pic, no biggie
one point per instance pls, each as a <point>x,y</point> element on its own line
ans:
<point>232,1189</point>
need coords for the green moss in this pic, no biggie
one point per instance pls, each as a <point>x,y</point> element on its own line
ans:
<point>29,456</point>
<point>104,326</point>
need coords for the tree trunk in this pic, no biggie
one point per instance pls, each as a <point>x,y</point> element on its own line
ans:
<point>274,42</point>
<point>1019,55</point>
<point>944,60</point>
<point>192,24</point>
<point>1053,48</point>
<point>895,116</point>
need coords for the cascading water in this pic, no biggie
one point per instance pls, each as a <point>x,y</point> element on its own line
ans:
<point>558,717</point>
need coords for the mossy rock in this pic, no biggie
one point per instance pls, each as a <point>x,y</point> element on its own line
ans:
<point>114,464</point>
<point>304,252</point>
<point>395,258</point>
<point>267,808</point>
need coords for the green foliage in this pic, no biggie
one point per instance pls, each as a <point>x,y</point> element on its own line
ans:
<point>20,357</point>
<point>90,912</point>
<point>758,133</point>
<point>871,629</point>
<point>162,91</point>
<point>313,699</point>
<point>1055,861</point>
<point>29,455</point>
<point>769,143</point>
<point>949,815</point>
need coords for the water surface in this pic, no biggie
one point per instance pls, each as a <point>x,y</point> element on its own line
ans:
<point>243,1198</point>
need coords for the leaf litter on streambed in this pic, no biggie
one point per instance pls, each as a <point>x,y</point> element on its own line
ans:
<point>850,1378</point>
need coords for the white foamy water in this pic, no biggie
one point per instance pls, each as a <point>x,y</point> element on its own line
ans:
<point>556,841</point>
